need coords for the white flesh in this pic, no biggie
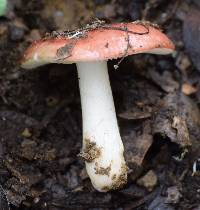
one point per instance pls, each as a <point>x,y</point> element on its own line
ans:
<point>108,169</point>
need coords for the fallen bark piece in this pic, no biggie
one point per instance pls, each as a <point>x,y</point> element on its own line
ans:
<point>177,119</point>
<point>136,146</point>
<point>136,151</point>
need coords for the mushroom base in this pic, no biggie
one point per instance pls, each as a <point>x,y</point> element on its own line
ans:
<point>102,145</point>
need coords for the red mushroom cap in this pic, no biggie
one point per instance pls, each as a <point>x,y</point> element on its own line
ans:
<point>102,42</point>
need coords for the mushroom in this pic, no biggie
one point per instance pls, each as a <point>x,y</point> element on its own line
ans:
<point>90,48</point>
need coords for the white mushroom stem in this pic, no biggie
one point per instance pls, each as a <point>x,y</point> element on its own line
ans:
<point>102,145</point>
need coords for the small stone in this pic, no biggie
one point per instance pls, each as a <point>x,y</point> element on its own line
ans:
<point>188,89</point>
<point>173,195</point>
<point>36,200</point>
<point>149,180</point>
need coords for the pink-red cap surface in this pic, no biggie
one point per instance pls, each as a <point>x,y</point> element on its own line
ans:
<point>102,42</point>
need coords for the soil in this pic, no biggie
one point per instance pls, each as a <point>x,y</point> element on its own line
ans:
<point>157,104</point>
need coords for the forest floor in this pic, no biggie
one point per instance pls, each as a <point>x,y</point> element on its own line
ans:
<point>157,104</point>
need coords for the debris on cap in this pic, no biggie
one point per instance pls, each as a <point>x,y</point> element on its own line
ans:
<point>96,42</point>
